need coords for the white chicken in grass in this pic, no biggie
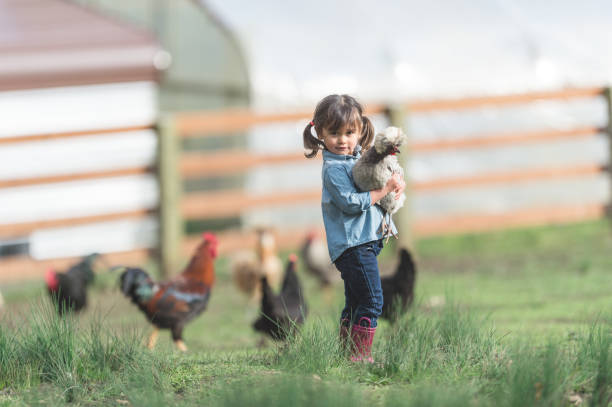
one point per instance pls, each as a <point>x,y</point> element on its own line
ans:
<point>375,168</point>
<point>249,267</point>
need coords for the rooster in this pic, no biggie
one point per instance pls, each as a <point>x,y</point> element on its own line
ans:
<point>375,168</point>
<point>398,289</point>
<point>316,259</point>
<point>281,313</point>
<point>248,268</point>
<point>68,290</point>
<point>171,304</point>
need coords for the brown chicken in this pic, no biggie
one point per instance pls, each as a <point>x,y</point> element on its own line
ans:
<point>316,260</point>
<point>171,304</point>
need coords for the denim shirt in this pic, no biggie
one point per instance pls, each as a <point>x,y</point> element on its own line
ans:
<point>348,214</point>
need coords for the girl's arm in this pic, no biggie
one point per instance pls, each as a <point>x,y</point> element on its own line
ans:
<point>344,193</point>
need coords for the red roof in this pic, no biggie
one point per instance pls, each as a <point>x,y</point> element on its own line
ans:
<point>45,43</point>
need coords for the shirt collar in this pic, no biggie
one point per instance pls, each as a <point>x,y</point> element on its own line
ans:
<point>327,155</point>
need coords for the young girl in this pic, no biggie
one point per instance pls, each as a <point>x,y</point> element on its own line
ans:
<point>352,220</point>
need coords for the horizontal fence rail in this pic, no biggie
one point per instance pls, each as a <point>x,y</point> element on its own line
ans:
<point>498,140</point>
<point>231,241</point>
<point>55,136</point>
<point>202,124</point>
<point>227,203</point>
<point>212,164</point>
<point>75,177</point>
<point>500,100</point>
<point>510,176</point>
<point>24,228</point>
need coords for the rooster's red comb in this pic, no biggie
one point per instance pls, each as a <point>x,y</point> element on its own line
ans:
<point>209,237</point>
<point>51,277</point>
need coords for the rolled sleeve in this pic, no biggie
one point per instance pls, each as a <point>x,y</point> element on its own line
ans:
<point>344,193</point>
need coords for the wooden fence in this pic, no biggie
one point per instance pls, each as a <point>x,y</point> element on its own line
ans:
<point>532,216</point>
<point>175,166</point>
<point>22,267</point>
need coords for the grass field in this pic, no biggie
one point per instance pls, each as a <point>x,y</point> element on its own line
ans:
<point>513,318</point>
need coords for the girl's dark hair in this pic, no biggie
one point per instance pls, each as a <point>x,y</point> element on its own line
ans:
<point>332,113</point>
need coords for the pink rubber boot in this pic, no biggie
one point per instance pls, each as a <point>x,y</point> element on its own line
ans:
<point>362,341</point>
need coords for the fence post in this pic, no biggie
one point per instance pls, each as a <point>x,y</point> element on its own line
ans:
<point>398,115</point>
<point>608,96</point>
<point>170,187</point>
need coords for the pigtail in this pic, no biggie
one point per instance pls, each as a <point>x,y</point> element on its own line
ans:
<point>311,142</point>
<point>367,133</point>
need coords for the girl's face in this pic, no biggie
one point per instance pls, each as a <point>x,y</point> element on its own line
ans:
<point>343,141</point>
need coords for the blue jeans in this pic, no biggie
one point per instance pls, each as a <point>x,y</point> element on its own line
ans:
<point>362,291</point>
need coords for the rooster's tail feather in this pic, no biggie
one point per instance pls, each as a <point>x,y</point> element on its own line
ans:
<point>406,267</point>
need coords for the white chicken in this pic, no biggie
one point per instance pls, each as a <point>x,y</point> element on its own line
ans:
<point>377,165</point>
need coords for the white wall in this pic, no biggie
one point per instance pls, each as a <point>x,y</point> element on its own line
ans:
<point>74,109</point>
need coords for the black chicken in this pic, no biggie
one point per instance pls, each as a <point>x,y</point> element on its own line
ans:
<point>281,313</point>
<point>398,289</point>
<point>68,290</point>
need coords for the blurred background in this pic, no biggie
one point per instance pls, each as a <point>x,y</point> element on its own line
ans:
<point>130,127</point>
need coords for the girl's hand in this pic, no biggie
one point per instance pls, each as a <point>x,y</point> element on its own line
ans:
<point>394,183</point>
<point>398,191</point>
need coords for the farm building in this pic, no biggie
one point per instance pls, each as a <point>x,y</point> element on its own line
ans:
<point>78,96</point>
<point>273,61</point>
